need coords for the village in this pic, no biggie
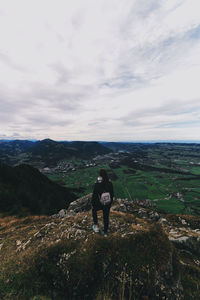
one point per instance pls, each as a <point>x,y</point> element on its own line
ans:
<point>64,166</point>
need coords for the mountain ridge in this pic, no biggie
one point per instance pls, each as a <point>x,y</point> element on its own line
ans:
<point>48,151</point>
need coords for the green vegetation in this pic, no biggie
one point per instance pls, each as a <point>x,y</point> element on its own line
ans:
<point>167,174</point>
<point>24,190</point>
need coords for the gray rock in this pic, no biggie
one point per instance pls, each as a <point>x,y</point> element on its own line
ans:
<point>197,230</point>
<point>81,204</point>
<point>189,243</point>
<point>163,221</point>
<point>179,240</point>
<point>144,203</point>
<point>183,221</point>
<point>62,213</point>
<point>154,216</point>
<point>142,213</point>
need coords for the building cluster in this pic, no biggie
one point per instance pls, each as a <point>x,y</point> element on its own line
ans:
<point>66,167</point>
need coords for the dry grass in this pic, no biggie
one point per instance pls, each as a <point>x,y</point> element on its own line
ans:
<point>12,221</point>
<point>53,240</point>
<point>13,230</point>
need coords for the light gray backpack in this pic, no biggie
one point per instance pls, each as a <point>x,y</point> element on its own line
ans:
<point>105,198</point>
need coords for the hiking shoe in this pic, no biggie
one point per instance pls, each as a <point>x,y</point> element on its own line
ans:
<point>95,228</point>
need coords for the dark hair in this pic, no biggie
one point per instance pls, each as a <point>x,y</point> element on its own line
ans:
<point>104,175</point>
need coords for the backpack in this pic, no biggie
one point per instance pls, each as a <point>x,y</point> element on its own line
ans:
<point>105,198</point>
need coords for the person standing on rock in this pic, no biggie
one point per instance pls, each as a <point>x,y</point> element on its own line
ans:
<point>102,199</point>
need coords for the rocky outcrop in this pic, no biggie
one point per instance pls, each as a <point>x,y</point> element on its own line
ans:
<point>81,204</point>
<point>188,240</point>
<point>123,205</point>
<point>183,238</point>
<point>77,206</point>
<point>142,257</point>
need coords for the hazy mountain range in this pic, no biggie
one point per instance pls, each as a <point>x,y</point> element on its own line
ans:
<point>48,151</point>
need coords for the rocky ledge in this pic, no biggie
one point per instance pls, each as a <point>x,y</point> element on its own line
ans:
<point>146,255</point>
<point>183,232</point>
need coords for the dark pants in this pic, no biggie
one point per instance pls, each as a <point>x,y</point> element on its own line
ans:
<point>106,211</point>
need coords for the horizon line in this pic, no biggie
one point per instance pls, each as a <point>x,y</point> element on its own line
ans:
<point>105,141</point>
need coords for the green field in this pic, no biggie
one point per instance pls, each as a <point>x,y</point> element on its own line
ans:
<point>162,174</point>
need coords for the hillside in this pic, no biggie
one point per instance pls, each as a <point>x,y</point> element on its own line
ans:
<point>15,146</point>
<point>48,152</point>
<point>51,152</point>
<point>24,190</point>
<point>145,256</point>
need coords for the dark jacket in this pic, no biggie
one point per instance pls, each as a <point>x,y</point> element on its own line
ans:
<point>99,188</point>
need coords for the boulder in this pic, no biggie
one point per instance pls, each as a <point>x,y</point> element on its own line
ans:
<point>81,204</point>
<point>163,221</point>
<point>189,243</point>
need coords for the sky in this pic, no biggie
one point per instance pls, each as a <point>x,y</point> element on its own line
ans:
<point>106,70</point>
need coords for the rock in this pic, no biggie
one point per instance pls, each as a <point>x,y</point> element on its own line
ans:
<point>62,213</point>
<point>119,201</point>
<point>154,216</point>
<point>114,207</point>
<point>77,206</point>
<point>189,243</point>
<point>22,246</point>
<point>197,262</point>
<point>70,213</point>
<point>183,221</point>
<point>163,221</point>
<point>37,235</point>
<point>197,230</point>
<point>144,203</point>
<point>18,242</point>
<point>123,205</point>
<point>142,213</point>
<point>179,240</point>
<point>81,204</point>
<point>121,208</point>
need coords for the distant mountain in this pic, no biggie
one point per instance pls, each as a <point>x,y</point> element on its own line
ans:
<point>134,147</point>
<point>127,147</point>
<point>48,151</point>
<point>15,147</point>
<point>24,190</point>
<point>89,148</point>
<point>51,151</point>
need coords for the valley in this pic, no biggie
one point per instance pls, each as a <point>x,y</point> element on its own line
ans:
<point>45,221</point>
<point>165,174</point>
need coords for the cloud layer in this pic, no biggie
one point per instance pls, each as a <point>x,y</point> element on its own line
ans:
<point>100,70</point>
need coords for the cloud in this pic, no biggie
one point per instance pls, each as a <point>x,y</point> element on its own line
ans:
<point>172,114</point>
<point>110,70</point>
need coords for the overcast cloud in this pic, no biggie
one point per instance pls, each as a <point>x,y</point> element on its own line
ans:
<point>100,70</point>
